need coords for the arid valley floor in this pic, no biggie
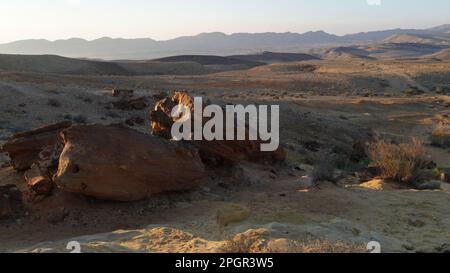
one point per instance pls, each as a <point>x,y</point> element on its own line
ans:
<point>326,107</point>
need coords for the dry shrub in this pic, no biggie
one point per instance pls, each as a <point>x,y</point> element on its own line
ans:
<point>399,162</point>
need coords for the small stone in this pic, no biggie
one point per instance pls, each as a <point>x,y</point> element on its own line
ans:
<point>233,213</point>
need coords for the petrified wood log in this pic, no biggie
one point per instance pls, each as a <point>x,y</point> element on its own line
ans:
<point>228,151</point>
<point>24,148</point>
<point>119,164</point>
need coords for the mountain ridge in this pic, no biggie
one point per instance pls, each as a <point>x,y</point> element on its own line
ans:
<point>209,43</point>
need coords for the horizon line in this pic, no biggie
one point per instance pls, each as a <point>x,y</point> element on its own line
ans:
<point>216,32</point>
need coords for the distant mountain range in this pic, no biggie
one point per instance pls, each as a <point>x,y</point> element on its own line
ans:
<point>211,44</point>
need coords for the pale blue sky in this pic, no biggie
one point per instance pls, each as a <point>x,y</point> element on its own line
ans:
<point>165,19</point>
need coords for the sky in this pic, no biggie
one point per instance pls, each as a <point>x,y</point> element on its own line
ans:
<point>166,19</point>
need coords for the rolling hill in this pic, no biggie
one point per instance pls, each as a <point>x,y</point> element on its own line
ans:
<point>418,39</point>
<point>443,55</point>
<point>209,60</point>
<point>273,57</point>
<point>60,65</point>
<point>347,53</point>
<point>177,65</point>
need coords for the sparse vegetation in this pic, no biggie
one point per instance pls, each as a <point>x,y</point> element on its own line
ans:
<point>403,162</point>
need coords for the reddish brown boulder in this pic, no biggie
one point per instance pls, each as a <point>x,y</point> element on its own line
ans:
<point>119,164</point>
<point>24,148</point>
<point>10,201</point>
<point>228,151</point>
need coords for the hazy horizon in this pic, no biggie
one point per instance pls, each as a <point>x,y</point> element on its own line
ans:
<point>209,32</point>
<point>90,20</point>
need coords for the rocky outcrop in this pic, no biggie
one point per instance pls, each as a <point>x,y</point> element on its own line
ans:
<point>25,148</point>
<point>119,164</point>
<point>227,151</point>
